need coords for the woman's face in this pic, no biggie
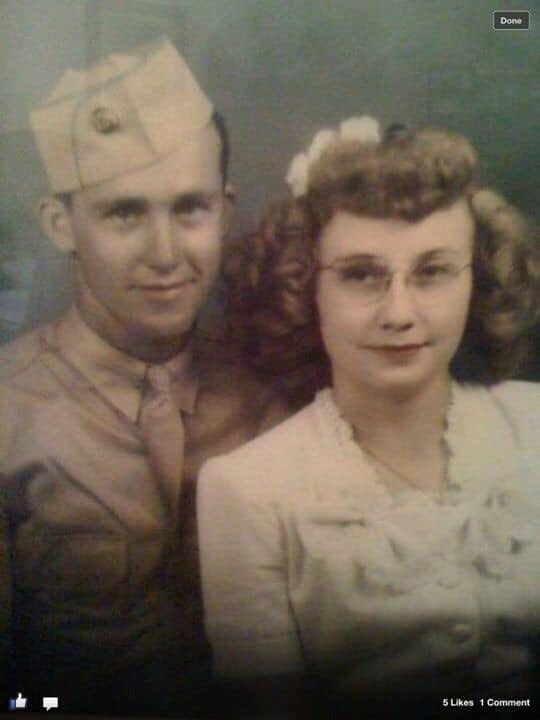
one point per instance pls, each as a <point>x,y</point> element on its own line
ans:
<point>393,297</point>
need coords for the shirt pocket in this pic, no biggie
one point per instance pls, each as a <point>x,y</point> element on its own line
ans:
<point>71,562</point>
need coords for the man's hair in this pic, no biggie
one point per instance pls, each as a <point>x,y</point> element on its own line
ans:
<point>224,155</point>
<point>225,149</point>
<point>272,271</point>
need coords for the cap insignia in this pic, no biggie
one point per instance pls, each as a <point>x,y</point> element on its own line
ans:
<point>104,120</point>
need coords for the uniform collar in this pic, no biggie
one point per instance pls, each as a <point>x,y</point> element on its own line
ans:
<point>117,376</point>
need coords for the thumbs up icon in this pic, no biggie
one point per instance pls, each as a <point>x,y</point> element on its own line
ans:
<point>18,703</point>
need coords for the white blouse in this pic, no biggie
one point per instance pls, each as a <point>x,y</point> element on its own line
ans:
<point>308,561</point>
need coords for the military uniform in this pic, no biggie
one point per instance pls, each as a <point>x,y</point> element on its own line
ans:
<point>105,593</point>
<point>97,512</point>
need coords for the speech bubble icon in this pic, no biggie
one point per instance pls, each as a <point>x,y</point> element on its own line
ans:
<point>50,702</point>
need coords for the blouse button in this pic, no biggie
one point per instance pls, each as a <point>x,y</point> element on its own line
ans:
<point>461,632</point>
<point>449,578</point>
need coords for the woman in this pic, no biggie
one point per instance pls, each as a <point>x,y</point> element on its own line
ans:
<point>387,537</point>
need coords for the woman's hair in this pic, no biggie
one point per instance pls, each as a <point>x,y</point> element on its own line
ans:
<point>270,274</point>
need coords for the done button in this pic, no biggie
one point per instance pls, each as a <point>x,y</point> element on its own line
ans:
<point>511,20</point>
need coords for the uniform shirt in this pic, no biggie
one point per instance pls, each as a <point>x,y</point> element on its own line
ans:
<point>96,573</point>
<point>309,562</point>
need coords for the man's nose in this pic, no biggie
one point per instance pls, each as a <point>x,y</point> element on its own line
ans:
<point>398,307</point>
<point>163,243</point>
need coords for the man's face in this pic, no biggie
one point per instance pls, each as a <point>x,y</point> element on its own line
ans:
<point>148,248</point>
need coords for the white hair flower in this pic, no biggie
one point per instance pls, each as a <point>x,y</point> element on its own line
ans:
<point>322,140</point>
<point>297,175</point>
<point>364,128</point>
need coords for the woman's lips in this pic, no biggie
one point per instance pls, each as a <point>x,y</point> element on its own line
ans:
<point>163,291</point>
<point>402,352</point>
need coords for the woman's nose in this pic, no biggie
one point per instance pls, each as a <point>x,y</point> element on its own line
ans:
<point>398,308</point>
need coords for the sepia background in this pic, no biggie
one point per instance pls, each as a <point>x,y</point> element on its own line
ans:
<point>278,70</point>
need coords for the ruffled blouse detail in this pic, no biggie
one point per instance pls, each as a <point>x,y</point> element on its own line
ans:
<point>395,543</point>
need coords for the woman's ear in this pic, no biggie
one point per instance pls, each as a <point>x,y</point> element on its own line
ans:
<point>228,212</point>
<point>56,223</point>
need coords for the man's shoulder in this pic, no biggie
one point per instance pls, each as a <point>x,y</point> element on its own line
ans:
<point>20,354</point>
<point>24,384</point>
<point>224,368</point>
<point>226,377</point>
<point>235,404</point>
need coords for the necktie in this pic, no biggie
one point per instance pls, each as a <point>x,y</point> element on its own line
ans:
<point>162,430</point>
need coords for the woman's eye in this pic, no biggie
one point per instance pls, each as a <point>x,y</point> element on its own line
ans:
<point>365,276</point>
<point>433,272</point>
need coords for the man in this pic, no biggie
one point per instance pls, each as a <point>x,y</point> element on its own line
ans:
<point>98,464</point>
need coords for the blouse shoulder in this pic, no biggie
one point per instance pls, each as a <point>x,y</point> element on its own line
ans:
<point>279,456</point>
<point>521,393</point>
<point>519,402</point>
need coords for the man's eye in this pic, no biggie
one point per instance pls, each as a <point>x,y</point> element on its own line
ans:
<point>191,208</point>
<point>125,215</point>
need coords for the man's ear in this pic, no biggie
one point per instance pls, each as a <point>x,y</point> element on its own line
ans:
<point>230,202</point>
<point>56,223</point>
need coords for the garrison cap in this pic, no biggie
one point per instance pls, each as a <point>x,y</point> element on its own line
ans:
<point>118,116</point>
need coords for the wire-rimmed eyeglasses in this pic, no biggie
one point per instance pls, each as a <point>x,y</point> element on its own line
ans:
<point>370,281</point>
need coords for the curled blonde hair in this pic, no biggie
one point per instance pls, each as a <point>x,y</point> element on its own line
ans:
<point>270,273</point>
